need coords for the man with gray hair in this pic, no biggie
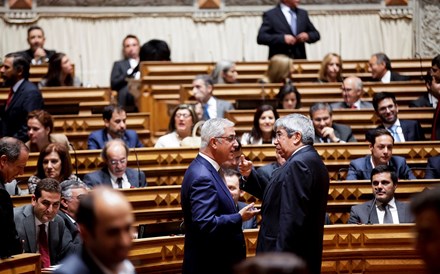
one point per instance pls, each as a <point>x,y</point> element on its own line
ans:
<point>352,90</point>
<point>380,68</point>
<point>71,193</point>
<point>295,198</point>
<point>214,240</point>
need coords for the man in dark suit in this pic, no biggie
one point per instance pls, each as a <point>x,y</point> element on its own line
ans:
<point>13,157</point>
<point>380,68</point>
<point>71,193</point>
<point>388,209</point>
<point>232,180</point>
<point>39,226</point>
<point>325,130</point>
<point>433,168</point>
<point>295,198</point>
<point>381,148</point>
<point>124,69</point>
<point>214,240</point>
<point>285,29</point>
<point>114,117</point>
<point>386,109</point>
<point>435,73</point>
<point>266,171</point>
<point>115,172</point>
<point>105,218</point>
<point>430,98</point>
<point>36,54</point>
<point>23,97</point>
<point>352,91</point>
<point>212,107</point>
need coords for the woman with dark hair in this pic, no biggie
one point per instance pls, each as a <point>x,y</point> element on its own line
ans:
<point>262,130</point>
<point>60,72</point>
<point>331,69</point>
<point>53,162</point>
<point>181,124</point>
<point>289,97</point>
<point>40,127</point>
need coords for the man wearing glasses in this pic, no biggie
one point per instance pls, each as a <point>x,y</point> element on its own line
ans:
<point>295,198</point>
<point>115,172</point>
<point>214,239</point>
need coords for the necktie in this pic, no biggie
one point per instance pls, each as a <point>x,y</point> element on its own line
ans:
<point>435,123</point>
<point>205,111</point>
<point>293,21</point>
<point>396,136</point>
<point>387,218</point>
<point>43,246</point>
<point>119,182</point>
<point>10,94</point>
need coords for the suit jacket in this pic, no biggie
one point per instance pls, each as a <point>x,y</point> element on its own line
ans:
<point>267,170</point>
<point>14,119</point>
<point>398,77</point>
<point>343,132</point>
<point>102,177</point>
<point>222,107</point>
<point>252,223</point>
<point>343,105</point>
<point>214,239</point>
<point>59,239</point>
<point>29,54</point>
<point>359,213</point>
<point>294,205</point>
<point>433,168</point>
<point>411,129</point>
<point>422,101</point>
<point>275,26</point>
<point>360,169</point>
<point>118,83</point>
<point>71,228</point>
<point>98,138</point>
<point>10,242</point>
<point>79,264</point>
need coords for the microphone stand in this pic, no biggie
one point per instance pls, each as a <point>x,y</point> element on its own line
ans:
<point>373,206</point>
<point>76,161</point>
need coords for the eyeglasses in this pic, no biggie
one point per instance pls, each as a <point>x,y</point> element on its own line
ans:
<point>116,162</point>
<point>230,138</point>
<point>183,115</point>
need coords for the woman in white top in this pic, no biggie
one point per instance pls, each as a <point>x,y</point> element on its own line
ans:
<point>181,124</point>
<point>262,130</point>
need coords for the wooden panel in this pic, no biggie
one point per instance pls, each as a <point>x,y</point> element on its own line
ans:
<point>26,263</point>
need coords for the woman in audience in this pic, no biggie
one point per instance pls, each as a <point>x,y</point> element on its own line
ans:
<point>40,127</point>
<point>262,129</point>
<point>224,73</point>
<point>181,124</point>
<point>60,72</point>
<point>53,162</point>
<point>288,97</point>
<point>280,70</point>
<point>331,69</point>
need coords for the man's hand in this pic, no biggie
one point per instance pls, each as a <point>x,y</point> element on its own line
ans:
<point>39,54</point>
<point>244,166</point>
<point>290,39</point>
<point>302,37</point>
<point>248,212</point>
<point>329,133</point>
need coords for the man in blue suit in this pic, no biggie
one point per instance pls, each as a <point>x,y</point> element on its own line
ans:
<point>381,147</point>
<point>295,198</point>
<point>214,240</point>
<point>383,184</point>
<point>433,168</point>
<point>285,29</point>
<point>115,172</point>
<point>114,117</point>
<point>23,97</point>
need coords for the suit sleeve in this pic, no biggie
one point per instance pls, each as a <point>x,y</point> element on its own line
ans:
<point>267,35</point>
<point>354,217</point>
<point>352,173</point>
<point>419,132</point>
<point>117,78</point>
<point>88,180</point>
<point>406,171</point>
<point>143,182</point>
<point>254,184</point>
<point>92,142</point>
<point>311,30</point>
<point>430,169</point>
<point>31,101</point>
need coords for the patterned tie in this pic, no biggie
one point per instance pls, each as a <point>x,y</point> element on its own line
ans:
<point>43,246</point>
<point>293,21</point>
<point>10,94</point>
<point>387,218</point>
<point>119,182</point>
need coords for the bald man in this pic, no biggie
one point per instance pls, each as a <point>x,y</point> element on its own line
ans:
<point>352,90</point>
<point>107,236</point>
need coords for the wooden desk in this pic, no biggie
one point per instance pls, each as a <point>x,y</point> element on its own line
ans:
<point>26,263</point>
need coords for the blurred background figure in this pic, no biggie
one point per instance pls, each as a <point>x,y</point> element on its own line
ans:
<point>181,124</point>
<point>331,69</point>
<point>155,50</point>
<point>224,72</point>
<point>262,130</point>
<point>289,97</point>
<point>280,70</point>
<point>272,263</point>
<point>60,72</point>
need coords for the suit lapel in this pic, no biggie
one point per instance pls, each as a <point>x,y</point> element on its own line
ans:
<point>29,228</point>
<point>282,20</point>
<point>405,130</point>
<point>16,97</point>
<point>106,177</point>
<point>52,234</point>
<point>373,218</point>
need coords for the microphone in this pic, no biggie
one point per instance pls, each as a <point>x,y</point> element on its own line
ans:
<point>76,161</point>
<point>373,206</point>
<point>82,72</point>
<point>421,67</point>
<point>138,167</point>
<point>339,178</point>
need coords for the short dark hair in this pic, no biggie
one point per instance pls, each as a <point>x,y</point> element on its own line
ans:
<point>383,58</point>
<point>47,184</point>
<point>378,97</point>
<point>86,212</point>
<point>20,63</point>
<point>373,134</point>
<point>256,132</point>
<point>285,90</point>
<point>63,153</point>
<point>207,79</point>
<point>385,169</point>
<point>107,112</point>
<point>31,28</point>
<point>11,147</point>
<point>320,106</point>
<point>132,36</point>
<point>426,200</point>
<point>436,61</point>
<point>155,50</point>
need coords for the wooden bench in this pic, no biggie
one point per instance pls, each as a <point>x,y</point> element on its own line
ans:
<point>346,249</point>
<point>78,128</point>
<point>359,120</point>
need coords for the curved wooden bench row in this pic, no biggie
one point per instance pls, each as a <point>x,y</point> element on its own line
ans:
<point>346,249</point>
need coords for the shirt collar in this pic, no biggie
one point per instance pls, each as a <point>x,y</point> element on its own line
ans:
<point>211,161</point>
<point>396,123</point>
<point>391,203</point>
<point>387,77</point>
<point>17,85</point>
